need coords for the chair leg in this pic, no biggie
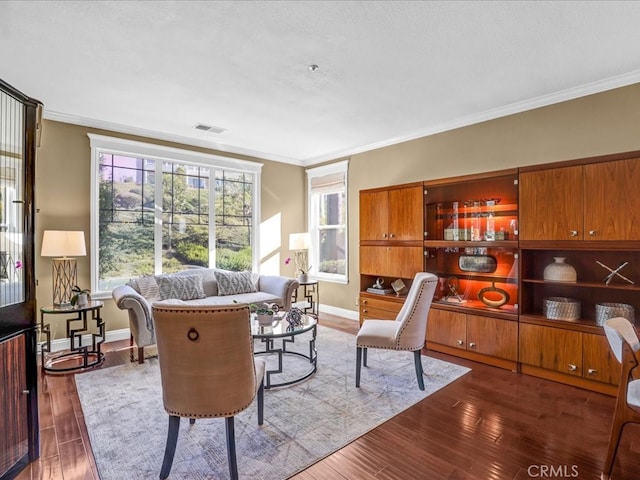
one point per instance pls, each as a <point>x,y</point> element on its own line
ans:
<point>231,449</point>
<point>358,362</point>
<point>261,403</point>
<point>614,441</point>
<point>364,356</point>
<point>192,421</point>
<point>170,449</point>
<point>419,371</point>
<point>140,355</point>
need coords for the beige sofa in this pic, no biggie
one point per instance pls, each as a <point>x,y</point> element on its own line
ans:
<point>202,286</point>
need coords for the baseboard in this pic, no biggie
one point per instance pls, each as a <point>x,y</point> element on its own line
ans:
<point>340,312</point>
<point>111,336</point>
<point>123,334</point>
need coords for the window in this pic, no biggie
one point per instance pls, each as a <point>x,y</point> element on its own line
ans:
<point>327,189</point>
<point>158,210</point>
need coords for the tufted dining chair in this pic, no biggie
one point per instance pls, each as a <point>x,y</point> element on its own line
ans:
<point>406,333</point>
<point>625,345</point>
<point>207,369</point>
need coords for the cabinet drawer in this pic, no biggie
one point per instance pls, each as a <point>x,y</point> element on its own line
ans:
<point>376,313</point>
<point>380,304</point>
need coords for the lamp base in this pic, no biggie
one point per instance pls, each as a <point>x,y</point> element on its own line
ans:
<point>64,276</point>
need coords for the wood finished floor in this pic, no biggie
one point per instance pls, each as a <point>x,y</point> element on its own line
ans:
<point>490,424</point>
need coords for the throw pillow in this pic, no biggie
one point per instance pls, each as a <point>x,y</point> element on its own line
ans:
<point>148,288</point>
<point>232,283</point>
<point>182,287</point>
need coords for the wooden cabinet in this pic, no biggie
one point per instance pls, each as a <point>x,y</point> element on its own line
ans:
<point>19,430</point>
<point>579,358</point>
<point>482,338</point>
<point>379,307</point>
<point>593,202</point>
<point>14,429</point>
<point>391,261</point>
<point>391,214</point>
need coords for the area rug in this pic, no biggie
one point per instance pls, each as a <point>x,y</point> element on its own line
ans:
<point>303,423</point>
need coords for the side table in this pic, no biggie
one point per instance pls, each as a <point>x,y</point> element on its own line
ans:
<point>310,297</point>
<point>80,356</point>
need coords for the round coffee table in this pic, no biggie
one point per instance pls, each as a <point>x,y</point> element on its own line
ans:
<point>275,338</point>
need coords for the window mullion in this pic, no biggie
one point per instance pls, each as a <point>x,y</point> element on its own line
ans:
<point>157,219</point>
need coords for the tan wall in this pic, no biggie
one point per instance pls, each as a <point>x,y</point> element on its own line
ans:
<point>62,203</point>
<point>595,125</point>
<point>590,126</point>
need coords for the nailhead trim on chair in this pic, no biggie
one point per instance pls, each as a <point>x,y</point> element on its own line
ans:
<point>223,415</point>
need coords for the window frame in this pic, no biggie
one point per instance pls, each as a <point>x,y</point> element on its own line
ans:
<point>113,145</point>
<point>312,220</point>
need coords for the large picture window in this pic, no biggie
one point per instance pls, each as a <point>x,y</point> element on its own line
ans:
<point>160,210</point>
<point>327,189</point>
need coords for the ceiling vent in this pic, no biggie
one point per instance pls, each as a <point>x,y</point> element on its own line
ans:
<point>209,128</point>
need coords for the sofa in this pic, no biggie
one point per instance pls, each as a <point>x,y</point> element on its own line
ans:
<point>201,286</point>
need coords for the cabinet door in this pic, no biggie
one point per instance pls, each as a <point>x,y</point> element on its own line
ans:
<point>374,260</point>
<point>14,432</point>
<point>599,362</point>
<point>404,262</point>
<point>612,203</point>
<point>447,328</point>
<point>406,213</point>
<point>551,348</point>
<point>492,336</point>
<point>551,204</point>
<point>374,215</point>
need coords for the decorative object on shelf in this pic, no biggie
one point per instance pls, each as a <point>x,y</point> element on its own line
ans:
<point>81,296</point>
<point>561,308</point>
<point>560,271</point>
<point>299,243</point>
<point>615,272</point>
<point>493,296</point>
<point>490,229</point>
<point>605,311</point>
<point>294,317</point>
<point>454,296</point>
<point>379,289</point>
<point>62,245</point>
<point>478,263</point>
<point>399,287</point>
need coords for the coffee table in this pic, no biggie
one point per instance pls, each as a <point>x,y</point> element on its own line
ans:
<point>277,336</point>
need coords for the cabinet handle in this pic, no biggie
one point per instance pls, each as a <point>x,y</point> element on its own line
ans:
<point>593,232</point>
<point>572,368</point>
<point>573,233</point>
<point>364,301</point>
<point>460,342</point>
<point>392,235</point>
<point>364,310</point>
<point>592,371</point>
<point>26,392</point>
<point>384,235</point>
<point>472,345</point>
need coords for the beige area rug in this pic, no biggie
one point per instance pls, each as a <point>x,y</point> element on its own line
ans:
<point>302,423</point>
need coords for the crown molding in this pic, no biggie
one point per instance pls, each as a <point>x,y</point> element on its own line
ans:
<point>168,137</point>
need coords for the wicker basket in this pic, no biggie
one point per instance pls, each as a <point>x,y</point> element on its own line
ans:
<point>561,308</point>
<point>605,311</point>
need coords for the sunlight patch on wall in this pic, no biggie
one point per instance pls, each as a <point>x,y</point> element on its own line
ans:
<point>270,244</point>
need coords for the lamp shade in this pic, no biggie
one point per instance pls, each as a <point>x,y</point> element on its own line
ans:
<point>299,241</point>
<point>60,243</point>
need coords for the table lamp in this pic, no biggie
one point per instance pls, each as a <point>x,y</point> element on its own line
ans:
<point>299,244</point>
<point>62,245</point>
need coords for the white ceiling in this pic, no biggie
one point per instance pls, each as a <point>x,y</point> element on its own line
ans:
<point>389,71</point>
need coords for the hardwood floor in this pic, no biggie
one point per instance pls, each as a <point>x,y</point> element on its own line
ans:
<point>490,424</point>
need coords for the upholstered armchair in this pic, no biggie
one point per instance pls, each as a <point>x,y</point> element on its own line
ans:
<point>406,333</point>
<point>207,369</point>
<point>625,345</point>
